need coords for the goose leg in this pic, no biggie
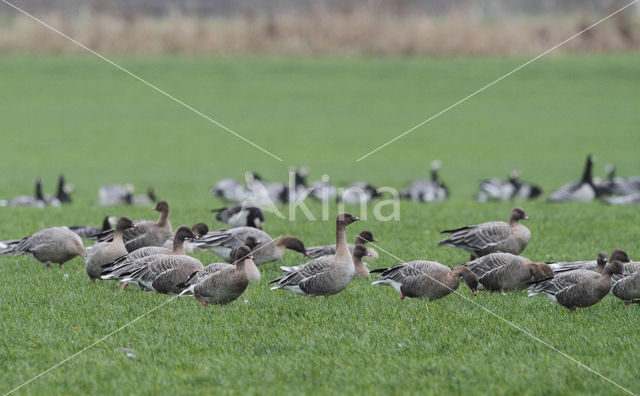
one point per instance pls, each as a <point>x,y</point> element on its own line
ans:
<point>402,297</point>
<point>60,265</point>
<point>503,293</point>
<point>48,265</point>
<point>204,303</point>
<point>124,286</point>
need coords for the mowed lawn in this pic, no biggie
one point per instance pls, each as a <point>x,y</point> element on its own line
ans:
<point>79,116</point>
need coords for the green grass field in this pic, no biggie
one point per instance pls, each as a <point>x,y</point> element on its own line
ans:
<point>80,116</point>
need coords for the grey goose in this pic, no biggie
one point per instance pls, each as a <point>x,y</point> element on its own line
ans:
<point>363,237</point>
<point>51,245</point>
<point>326,275</point>
<point>515,276</point>
<point>491,237</point>
<point>198,229</point>
<point>106,252</point>
<point>596,265</point>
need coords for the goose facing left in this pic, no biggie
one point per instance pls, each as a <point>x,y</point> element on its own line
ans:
<point>51,245</point>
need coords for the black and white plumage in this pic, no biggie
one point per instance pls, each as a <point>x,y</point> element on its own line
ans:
<point>496,189</point>
<point>323,191</point>
<point>115,194</point>
<point>427,190</point>
<point>239,216</point>
<point>358,193</point>
<point>88,231</point>
<point>326,275</point>
<point>580,288</point>
<point>581,191</point>
<point>36,200</point>
<point>51,245</point>
<point>425,279</point>
<point>628,199</point>
<point>224,242</point>
<point>491,237</point>
<point>63,193</point>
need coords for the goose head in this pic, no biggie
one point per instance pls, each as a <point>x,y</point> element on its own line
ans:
<point>469,277</point>
<point>360,251</point>
<point>124,223</point>
<point>540,271</point>
<point>161,207</point>
<point>619,255</point>
<point>292,243</point>
<point>613,268</point>
<point>251,242</point>
<point>184,232</point>
<point>346,219</point>
<point>601,259</point>
<point>200,229</point>
<point>255,217</point>
<point>243,253</point>
<point>366,236</point>
<point>518,214</point>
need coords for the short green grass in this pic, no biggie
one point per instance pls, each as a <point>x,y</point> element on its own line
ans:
<point>79,116</point>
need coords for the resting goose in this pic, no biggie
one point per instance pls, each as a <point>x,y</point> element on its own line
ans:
<point>323,191</point>
<point>596,265</point>
<point>63,194</point>
<point>51,245</point>
<point>491,237</point>
<point>362,238</point>
<point>223,242</point>
<point>358,193</point>
<point>515,276</point>
<point>427,190</point>
<point>578,289</point>
<point>326,275</point>
<point>36,200</point>
<point>496,189</point>
<point>106,252</point>
<point>198,229</point>
<point>628,199</point>
<point>145,199</point>
<point>89,231</point>
<point>222,286</point>
<point>577,191</point>
<point>231,190</point>
<point>115,194</point>
<point>425,279</point>
<point>240,216</point>
<point>146,232</point>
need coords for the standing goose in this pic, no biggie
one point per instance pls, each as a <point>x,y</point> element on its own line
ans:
<point>627,288</point>
<point>223,242</point>
<point>578,289</point>
<point>146,232</point>
<point>358,193</point>
<point>198,230</point>
<point>106,252</point>
<point>250,266</point>
<point>491,237</point>
<point>160,272</point>
<point>491,261</point>
<point>89,231</point>
<point>223,286</point>
<point>239,216</point>
<point>51,245</point>
<point>361,269</point>
<point>425,279</point>
<point>362,238</point>
<point>515,276</point>
<point>427,190</point>
<point>577,191</point>
<point>596,265</point>
<point>326,275</point>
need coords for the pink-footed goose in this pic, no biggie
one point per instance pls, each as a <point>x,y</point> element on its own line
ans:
<point>580,288</point>
<point>425,279</point>
<point>596,265</point>
<point>491,261</point>
<point>51,245</point>
<point>491,237</point>
<point>223,242</point>
<point>515,276</point>
<point>361,269</point>
<point>222,286</point>
<point>362,238</point>
<point>106,252</point>
<point>326,275</point>
<point>147,232</point>
<point>250,267</point>
<point>199,229</point>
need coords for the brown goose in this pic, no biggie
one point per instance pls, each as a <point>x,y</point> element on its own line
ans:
<point>596,265</point>
<point>223,286</point>
<point>326,275</point>
<point>627,288</point>
<point>106,252</point>
<point>361,269</point>
<point>162,273</point>
<point>580,288</point>
<point>250,267</point>
<point>425,279</point>
<point>223,242</point>
<point>199,229</point>
<point>362,238</point>
<point>515,276</point>
<point>51,245</point>
<point>147,232</point>
<point>491,261</point>
<point>491,237</point>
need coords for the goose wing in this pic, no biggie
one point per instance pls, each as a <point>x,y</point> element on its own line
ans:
<point>477,237</point>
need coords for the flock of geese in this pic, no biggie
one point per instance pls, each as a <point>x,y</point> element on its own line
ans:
<point>150,256</point>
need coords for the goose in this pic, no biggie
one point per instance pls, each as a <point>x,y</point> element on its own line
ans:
<point>578,289</point>
<point>491,237</point>
<point>491,261</point>
<point>515,276</point>
<point>146,232</point>
<point>145,199</point>
<point>362,238</point>
<point>63,193</point>
<point>115,194</point>
<point>627,288</point>
<point>239,216</point>
<point>51,245</point>
<point>323,191</point>
<point>326,275</point>
<point>581,191</point>
<point>198,229</point>
<point>106,252</point>
<point>496,189</point>
<point>596,265</point>
<point>427,190</point>
<point>425,279</point>
<point>223,242</point>
<point>358,253</point>
<point>253,274</point>
<point>628,199</point>
<point>231,190</point>
<point>358,193</point>
<point>36,200</point>
<point>88,231</point>
<point>222,286</point>
<point>161,273</point>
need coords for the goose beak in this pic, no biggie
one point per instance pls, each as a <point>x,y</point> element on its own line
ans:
<point>306,254</point>
<point>623,273</point>
<point>374,240</point>
<point>250,257</point>
<point>356,218</point>
<point>258,242</point>
<point>196,237</point>
<point>475,292</point>
<point>526,217</point>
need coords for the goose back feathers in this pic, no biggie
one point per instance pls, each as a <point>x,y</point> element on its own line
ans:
<point>51,245</point>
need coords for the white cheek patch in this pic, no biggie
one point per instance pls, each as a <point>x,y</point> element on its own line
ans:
<point>257,222</point>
